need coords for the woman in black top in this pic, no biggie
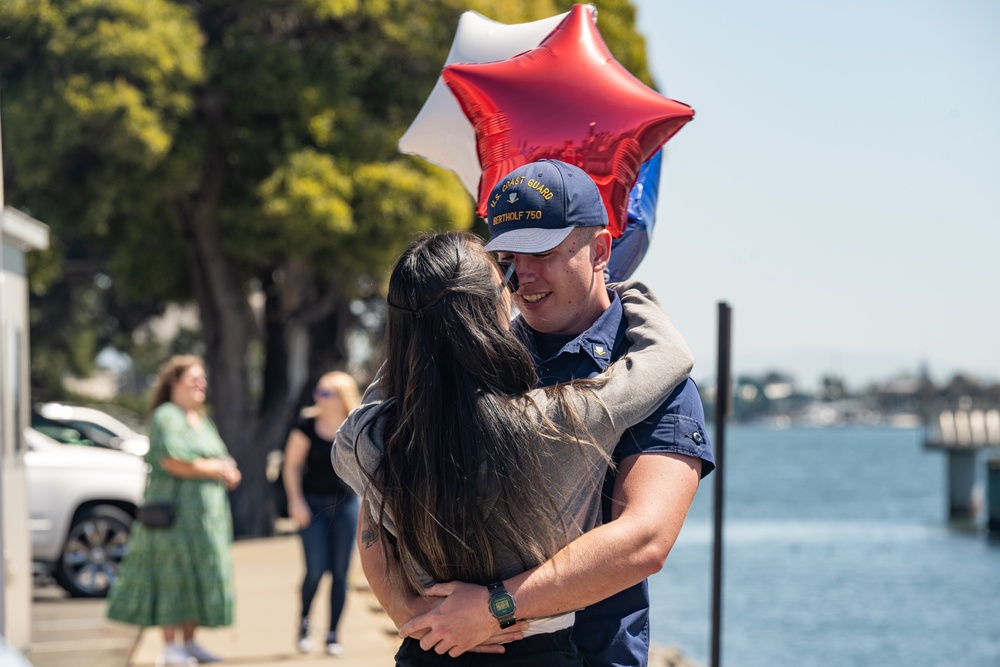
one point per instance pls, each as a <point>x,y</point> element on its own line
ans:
<point>323,506</point>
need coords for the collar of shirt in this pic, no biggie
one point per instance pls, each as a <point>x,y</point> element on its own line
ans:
<point>595,345</point>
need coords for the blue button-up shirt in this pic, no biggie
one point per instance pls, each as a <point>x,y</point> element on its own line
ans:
<point>615,631</point>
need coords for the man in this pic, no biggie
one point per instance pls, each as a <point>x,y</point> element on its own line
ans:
<point>548,221</point>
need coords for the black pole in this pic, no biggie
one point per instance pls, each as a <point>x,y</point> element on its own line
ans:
<point>722,389</point>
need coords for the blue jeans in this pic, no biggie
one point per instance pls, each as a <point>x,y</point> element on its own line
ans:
<point>327,544</point>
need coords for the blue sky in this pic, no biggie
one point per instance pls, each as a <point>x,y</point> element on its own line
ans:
<point>839,186</point>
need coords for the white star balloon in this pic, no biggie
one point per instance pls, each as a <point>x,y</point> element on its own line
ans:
<point>441,133</point>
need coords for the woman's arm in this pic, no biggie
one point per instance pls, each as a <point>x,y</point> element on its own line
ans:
<point>219,470</point>
<point>657,361</point>
<point>385,574</point>
<point>296,451</point>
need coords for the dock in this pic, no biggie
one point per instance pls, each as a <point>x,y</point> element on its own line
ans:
<point>963,434</point>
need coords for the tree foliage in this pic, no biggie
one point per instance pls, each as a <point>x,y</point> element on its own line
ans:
<point>207,149</point>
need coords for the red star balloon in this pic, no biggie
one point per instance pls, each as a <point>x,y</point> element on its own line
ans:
<point>567,99</point>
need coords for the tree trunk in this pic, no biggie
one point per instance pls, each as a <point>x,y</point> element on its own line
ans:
<point>227,328</point>
<point>328,340</point>
<point>281,384</point>
<point>304,322</point>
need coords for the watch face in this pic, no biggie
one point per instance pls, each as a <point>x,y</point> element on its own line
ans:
<point>502,605</point>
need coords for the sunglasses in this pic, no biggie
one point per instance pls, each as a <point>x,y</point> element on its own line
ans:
<point>509,277</point>
<point>324,393</point>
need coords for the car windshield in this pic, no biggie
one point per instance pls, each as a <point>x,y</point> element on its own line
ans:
<point>74,432</point>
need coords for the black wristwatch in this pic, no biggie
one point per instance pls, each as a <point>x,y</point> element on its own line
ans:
<point>502,604</point>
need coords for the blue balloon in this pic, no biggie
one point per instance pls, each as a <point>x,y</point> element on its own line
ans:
<point>628,249</point>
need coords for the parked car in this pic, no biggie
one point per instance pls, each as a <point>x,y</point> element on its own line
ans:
<point>81,501</point>
<point>75,424</point>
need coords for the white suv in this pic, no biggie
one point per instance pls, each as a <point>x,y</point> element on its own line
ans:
<point>81,501</point>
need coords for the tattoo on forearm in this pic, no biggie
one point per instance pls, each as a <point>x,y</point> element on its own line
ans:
<point>369,534</point>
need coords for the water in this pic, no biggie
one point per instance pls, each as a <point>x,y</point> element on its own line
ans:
<point>837,552</point>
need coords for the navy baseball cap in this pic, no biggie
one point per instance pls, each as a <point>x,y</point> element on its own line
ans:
<point>535,207</point>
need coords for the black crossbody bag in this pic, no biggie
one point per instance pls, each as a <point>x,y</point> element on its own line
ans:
<point>159,513</point>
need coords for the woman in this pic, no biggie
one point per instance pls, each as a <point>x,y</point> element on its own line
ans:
<point>476,475</point>
<point>323,506</point>
<point>180,577</point>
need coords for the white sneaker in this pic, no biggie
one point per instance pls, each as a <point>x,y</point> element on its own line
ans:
<point>176,655</point>
<point>199,654</point>
<point>304,643</point>
<point>334,649</point>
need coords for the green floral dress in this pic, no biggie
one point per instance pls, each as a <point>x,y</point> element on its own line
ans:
<point>182,573</point>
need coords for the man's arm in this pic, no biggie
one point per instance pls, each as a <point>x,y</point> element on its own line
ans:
<point>653,493</point>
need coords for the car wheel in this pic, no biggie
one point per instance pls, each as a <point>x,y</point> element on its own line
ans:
<point>94,550</point>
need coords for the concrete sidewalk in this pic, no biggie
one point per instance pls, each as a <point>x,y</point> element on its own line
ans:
<point>73,632</point>
<point>267,575</point>
<point>70,632</point>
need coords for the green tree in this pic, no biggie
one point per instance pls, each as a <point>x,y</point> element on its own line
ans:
<point>207,149</point>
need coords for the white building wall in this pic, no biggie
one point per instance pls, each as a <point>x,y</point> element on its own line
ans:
<point>19,234</point>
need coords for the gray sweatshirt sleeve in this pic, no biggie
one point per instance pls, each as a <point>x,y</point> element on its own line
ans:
<point>657,361</point>
<point>353,436</point>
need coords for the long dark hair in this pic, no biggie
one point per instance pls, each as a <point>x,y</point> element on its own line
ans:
<point>461,474</point>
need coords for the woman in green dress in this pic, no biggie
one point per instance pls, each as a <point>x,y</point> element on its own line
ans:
<point>180,577</point>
